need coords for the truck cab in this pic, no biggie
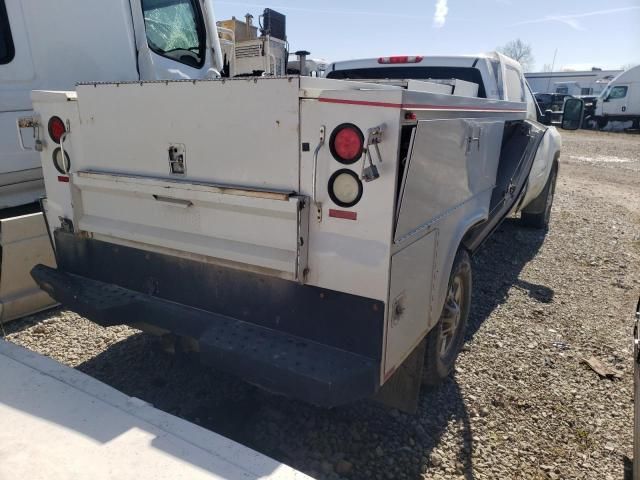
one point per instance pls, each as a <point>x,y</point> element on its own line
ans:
<point>620,101</point>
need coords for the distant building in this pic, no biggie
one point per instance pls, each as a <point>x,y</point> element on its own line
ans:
<point>589,82</point>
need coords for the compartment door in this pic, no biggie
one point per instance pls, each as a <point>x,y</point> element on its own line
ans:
<point>259,230</point>
<point>451,162</point>
<point>410,300</point>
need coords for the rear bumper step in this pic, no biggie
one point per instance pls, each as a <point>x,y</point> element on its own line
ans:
<point>273,360</point>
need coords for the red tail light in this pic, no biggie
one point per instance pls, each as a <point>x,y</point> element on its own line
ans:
<point>56,129</point>
<point>347,142</point>
<point>400,59</point>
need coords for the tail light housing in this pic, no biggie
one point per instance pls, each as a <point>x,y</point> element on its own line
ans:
<point>346,143</point>
<point>400,59</point>
<point>56,129</point>
<point>62,165</point>
<point>345,188</point>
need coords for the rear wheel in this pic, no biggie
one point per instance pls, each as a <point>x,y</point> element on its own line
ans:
<point>444,341</point>
<point>541,219</point>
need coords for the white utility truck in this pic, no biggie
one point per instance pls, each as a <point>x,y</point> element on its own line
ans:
<point>620,101</point>
<point>44,46</point>
<point>494,76</point>
<point>309,235</point>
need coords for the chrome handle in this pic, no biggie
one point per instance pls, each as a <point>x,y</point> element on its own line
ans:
<point>176,202</point>
<point>318,204</point>
<point>63,137</point>
<point>29,122</point>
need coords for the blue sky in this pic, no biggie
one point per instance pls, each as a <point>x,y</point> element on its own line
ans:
<point>586,33</point>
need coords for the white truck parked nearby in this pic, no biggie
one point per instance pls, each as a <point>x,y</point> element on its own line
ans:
<point>309,235</point>
<point>620,101</point>
<point>45,46</point>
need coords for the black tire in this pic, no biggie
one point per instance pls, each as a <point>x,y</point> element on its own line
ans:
<point>540,220</point>
<point>444,341</point>
<point>602,122</point>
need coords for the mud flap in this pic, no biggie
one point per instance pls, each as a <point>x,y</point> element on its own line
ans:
<point>402,390</point>
<point>23,243</point>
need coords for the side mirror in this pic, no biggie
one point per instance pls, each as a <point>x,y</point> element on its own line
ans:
<point>572,114</point>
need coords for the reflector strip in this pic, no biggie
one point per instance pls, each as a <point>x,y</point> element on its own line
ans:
<point>343,214</point>
<point>63,179</point>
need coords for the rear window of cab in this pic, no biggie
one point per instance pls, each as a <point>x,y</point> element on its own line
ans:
<point>468,74</point>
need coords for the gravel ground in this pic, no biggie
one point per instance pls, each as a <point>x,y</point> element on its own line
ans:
<point>521,404</point>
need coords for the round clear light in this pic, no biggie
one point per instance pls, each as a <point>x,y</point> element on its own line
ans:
<point>345,188</point>
<point>62,167</point>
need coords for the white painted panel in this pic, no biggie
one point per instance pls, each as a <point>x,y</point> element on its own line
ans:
<point>59,43</point>
<point>351,255</point>
<point>62,104</point>
<point>410,293</point>
<point>452,161</point>
<point>197,219</point>
<point>237,132</point>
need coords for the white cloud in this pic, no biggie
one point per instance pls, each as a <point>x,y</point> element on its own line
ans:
<point>440,16</point>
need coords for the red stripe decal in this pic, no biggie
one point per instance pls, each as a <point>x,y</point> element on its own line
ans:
<point>63,179</point>
<point>343,214</point>
<point>420,106</point>
<point>361,102</point>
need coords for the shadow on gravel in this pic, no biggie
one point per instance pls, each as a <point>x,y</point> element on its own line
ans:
<point>360,441</point>
<point>497,267</point>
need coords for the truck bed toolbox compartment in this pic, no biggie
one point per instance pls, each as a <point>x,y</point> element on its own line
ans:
<point>197,218</point>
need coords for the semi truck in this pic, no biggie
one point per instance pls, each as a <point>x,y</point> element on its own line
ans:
<point>310,235</point>
<point>44,45</point>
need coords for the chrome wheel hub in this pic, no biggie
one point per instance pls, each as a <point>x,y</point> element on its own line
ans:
<point>451,316</point>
